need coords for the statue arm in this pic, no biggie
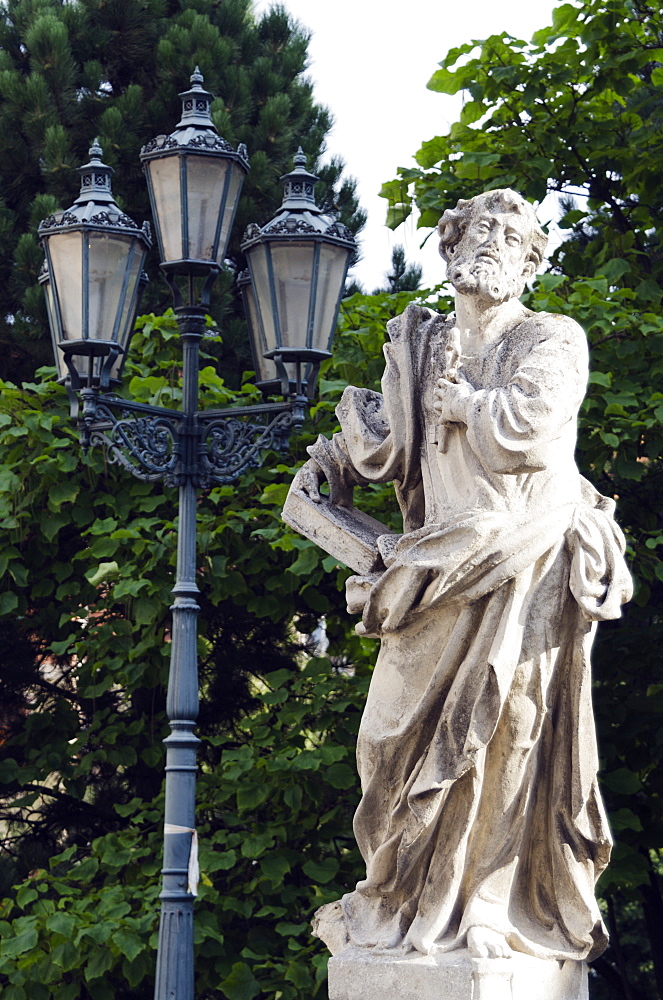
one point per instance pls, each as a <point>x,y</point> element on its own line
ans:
<point>361,453</point>
<point>513,428</point>
<point>380,433</point>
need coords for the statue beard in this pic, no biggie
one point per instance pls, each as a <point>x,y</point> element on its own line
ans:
<point>485,278</point>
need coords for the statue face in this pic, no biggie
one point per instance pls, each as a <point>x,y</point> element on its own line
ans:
<point>491,258</point>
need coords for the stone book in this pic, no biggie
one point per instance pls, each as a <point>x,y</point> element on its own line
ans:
<point>346,533</point>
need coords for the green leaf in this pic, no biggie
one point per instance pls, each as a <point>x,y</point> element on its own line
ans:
<point>624,819</point>
<point>17,945</point>
<point>240,984</point>
<point>600,378</point>
<point>307,560</point>
<point>293,797</point>
<point>8,602</point>
<point>26,895</point>
<point>649,291</point>
<point>321,871</point>
<point>104,571</point>
<point>615,269</point>
<point>622,780</point>
<point>67,956</point>
<point>341,776</point>
<point>444,82</point>
<point>129,943</point>
<point>61,923</point>
<point>564,16</point>
<point>99,963</point>
<point>64,491</point>
<point>251,796</point>
<point>275,867</point>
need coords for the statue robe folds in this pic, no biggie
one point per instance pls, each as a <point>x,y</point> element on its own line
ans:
<point>477,752</point>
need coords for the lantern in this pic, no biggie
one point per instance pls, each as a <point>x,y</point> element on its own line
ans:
<point>298,263</point>
<point>194,178</point>
<point>94,262</point>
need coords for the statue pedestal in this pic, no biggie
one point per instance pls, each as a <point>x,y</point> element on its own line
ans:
<point>356,974</point>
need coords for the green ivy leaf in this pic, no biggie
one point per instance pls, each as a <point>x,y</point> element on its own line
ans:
<point>241,984</point>
<point>321,871</point>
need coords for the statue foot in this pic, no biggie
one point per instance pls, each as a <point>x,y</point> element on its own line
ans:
<point>483,942</point>
<point>329,925</point>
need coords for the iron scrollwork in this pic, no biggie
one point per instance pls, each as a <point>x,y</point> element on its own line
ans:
<point>232,445</point>
<point>145,444</point>
<point>154,443</point>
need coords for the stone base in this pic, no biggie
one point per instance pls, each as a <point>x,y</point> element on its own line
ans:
<point>356,974</point>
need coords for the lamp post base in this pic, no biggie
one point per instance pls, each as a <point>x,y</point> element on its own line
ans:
<point>175,969</point>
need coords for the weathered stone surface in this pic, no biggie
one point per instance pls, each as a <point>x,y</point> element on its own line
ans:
<point>481,822</point>
<point>346,533</point>
<point>360,975</point>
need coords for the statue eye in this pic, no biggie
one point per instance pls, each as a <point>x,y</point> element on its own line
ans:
<point>513,239</point>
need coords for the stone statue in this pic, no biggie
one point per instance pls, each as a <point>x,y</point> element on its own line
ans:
<point>481,823</point>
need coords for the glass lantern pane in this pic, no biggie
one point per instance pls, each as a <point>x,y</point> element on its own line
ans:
<point>128,313</point>
<point>257,259</point>
<point>293,275</point>
<point>229,208</point>
<point>108,284</point>
<point>331,278</point>
<point>65,251</point>
<point>205,185</point>
<point>163,176</point>
<point>53,326</point>
<point>264,369</point>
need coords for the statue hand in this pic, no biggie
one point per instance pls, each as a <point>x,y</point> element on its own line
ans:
<point>308,480</point>
<point>450,400</point>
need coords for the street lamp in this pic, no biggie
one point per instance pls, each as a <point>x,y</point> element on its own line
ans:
<point>94,254</point>
<point>297,267</point>
<point>94,259</point>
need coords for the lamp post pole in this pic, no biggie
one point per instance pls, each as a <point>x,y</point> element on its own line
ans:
<point>174,973</point>
<point>92,281</point>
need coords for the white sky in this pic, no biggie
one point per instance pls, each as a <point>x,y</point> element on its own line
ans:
<point>370,61</point>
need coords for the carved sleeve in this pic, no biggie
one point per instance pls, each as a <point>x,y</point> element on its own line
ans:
<point>522,426</point>
<point>364,450</point>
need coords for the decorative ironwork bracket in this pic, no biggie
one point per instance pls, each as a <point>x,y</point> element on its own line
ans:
<point>213,446</point>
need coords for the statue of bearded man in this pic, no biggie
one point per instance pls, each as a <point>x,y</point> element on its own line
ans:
<point>481,823</point>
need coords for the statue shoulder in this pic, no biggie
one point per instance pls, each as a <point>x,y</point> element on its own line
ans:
<point>553,329</point>
<point>415,321</point>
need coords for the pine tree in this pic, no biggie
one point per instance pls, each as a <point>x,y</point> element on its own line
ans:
<point>73,71</point>
<point>70,71</point>
<point>404,277</point>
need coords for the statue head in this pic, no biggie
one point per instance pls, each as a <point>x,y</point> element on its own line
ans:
<point>492,244</point>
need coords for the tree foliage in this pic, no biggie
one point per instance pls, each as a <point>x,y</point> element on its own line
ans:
<point>88,558</point>
<point>89,561</point>
<point>404,277</point>
<point>70,71</point>
<point>579,111</point>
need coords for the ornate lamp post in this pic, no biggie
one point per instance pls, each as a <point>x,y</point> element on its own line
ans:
<point>94,260</point>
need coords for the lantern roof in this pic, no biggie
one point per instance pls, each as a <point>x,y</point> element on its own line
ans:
<point>195,132</point>
<point>95,206</point>
<point>299,215</point>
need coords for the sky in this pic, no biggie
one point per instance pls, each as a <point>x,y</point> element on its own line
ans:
<point>370,61</point>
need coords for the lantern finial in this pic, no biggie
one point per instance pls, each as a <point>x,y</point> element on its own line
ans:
<point>196,104</point>
<point>95,179</point>
<point>298,186</point>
